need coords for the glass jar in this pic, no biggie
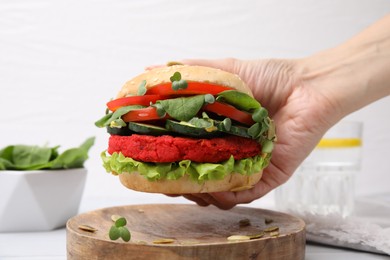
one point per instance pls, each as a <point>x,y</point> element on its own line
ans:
<point>324,183</point>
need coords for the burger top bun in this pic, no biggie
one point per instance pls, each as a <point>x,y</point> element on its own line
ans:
<point>161,75</point>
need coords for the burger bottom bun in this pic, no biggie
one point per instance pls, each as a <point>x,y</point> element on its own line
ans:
<point>184,185</point>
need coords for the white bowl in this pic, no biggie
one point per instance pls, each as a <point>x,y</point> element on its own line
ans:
<point>39,200</point>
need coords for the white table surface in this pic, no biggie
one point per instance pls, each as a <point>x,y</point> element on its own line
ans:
<point>52,244</point>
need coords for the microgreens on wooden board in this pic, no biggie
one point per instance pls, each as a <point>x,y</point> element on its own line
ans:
<point>119,229</point>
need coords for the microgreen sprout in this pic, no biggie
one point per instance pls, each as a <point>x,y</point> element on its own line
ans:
<point>119,230</point>
<point>227,124</point>
<point>267,146</point>
<point>205,115</point>
<point>254,130</point>
<point>160,110</point>
<point>142,88</point>
<point>259,114</point>
<point>209,99</point>
<point>177,82</point>
<point>175,77</point>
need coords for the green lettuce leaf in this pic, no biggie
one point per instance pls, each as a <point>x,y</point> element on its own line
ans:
<point>118,164</point>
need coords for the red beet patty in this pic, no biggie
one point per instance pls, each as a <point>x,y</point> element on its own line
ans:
<point>167,148</point>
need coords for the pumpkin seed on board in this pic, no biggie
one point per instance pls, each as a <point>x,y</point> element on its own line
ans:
<point>244,222</point>
<point>256,236</point>
<point>164,241</point>
<point>238,238</point>
<point>87,228</point>
<point>271,229</point>
<point>115,217</point>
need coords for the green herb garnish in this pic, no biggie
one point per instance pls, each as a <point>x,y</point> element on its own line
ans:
<point>183,108</point>
<point>267,146</point>
<point>175,77</point>
<point>255,130</point>
<point>227,124</point>
<point>111,117</point>
<point>239,100</point>
<point>259,114</point>
<point>209,99</point>
<point>142,88</point>
<point>201,122</point>
<point>177,82</point>
<point>119,230</point>
<point>160,110</point>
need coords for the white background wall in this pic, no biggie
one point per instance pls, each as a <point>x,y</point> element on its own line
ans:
<point>61,61</point>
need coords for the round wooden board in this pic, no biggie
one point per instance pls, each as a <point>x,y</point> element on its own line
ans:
<point>197,233</point>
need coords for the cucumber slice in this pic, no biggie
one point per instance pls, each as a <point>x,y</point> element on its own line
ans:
<point>147,129</point>
<point>233,130</point>
<point>190,130</point>
<point>119,131</point>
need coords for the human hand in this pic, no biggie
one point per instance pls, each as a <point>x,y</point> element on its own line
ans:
<point>302,113</point>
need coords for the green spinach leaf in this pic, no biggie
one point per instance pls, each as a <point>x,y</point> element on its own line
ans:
<point>113,117</point>
<point>183,108</point>
<point>32,157</point>
<point>239,100</point>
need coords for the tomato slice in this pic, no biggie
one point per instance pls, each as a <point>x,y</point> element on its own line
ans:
<point>133,100</point>
<point>143,114</point>
<point>193,88</point>
<point>231,112</point>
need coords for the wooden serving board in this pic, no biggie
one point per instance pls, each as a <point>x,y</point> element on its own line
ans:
<point>195,233</point>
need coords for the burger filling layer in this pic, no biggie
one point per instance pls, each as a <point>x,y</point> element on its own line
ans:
<point>167,148</point>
